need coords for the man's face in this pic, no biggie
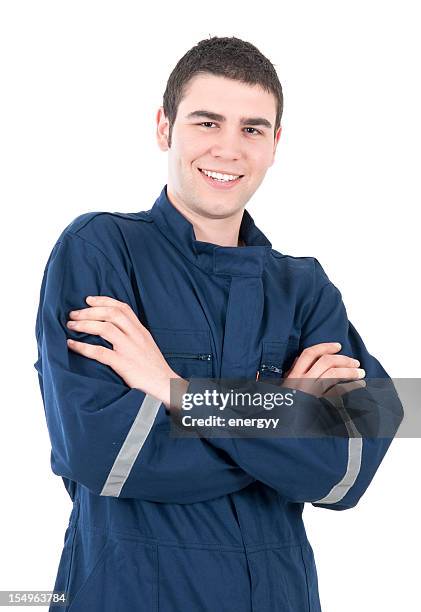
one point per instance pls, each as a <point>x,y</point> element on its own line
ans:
<point>238,142</point>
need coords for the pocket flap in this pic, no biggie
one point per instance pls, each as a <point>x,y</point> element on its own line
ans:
<point>188,352</point>
<point>182,340</point>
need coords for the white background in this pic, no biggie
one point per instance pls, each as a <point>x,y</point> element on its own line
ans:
<point>81,83</point>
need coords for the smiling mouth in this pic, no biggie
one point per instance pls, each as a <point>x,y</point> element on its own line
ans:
<point>221,177</point>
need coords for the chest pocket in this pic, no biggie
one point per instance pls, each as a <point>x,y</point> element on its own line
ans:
<point>187,352</point>
<point>276,359</point>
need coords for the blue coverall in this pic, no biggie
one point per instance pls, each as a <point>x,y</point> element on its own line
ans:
<point>199,524</point>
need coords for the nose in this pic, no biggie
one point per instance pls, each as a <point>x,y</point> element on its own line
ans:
<point>227,145</point>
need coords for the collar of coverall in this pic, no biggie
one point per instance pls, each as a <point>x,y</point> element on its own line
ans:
<point>249,260</point>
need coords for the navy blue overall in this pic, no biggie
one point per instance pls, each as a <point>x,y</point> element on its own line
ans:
<point>189,524</point>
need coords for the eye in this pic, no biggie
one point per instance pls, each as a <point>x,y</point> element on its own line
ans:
<point>255,131</point>
<point>209,123</point>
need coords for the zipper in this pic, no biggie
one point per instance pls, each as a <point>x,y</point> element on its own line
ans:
<point>202,356</point>
<point>271,368</point>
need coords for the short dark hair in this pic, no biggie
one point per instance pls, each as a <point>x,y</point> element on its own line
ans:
<point>230,57</point>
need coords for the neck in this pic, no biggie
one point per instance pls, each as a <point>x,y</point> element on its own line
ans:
<point>223,232</point>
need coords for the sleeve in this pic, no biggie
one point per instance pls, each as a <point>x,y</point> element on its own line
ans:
<point>108,437</point>
<point>325,454</point>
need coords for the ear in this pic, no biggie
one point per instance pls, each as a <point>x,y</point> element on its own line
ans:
<point>162,129</point>
<point>276,140</point>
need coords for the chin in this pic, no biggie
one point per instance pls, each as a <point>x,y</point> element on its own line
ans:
<point>219,210</point>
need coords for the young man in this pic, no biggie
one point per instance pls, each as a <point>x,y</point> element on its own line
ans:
<point>191,289</point>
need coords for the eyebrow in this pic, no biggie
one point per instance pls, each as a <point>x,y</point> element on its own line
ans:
<point>217,117</point>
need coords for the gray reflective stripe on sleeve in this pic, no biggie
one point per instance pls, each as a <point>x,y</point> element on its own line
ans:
<point>355,450</point>
<point>131,446</point>
<point>339,490</point>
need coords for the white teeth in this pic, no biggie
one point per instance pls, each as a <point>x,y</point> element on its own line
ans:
<point>219,176</point>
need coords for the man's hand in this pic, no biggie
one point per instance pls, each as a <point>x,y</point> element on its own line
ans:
<point>134,356</point>
<point>318,369</point>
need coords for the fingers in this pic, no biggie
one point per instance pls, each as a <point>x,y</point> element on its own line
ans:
<point>105,300</point>
<point>344,373</point>
<point>109,314</point>
<point>100,313</point>
<point>105,329</point>
<point>326,363</point>
<point>310,355</point>
<point>338,376</point>
<point>325,385</point>
<point>99,353</point>
<point>108,309</point>
<point>318,368</point>
<point>335,375</point>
